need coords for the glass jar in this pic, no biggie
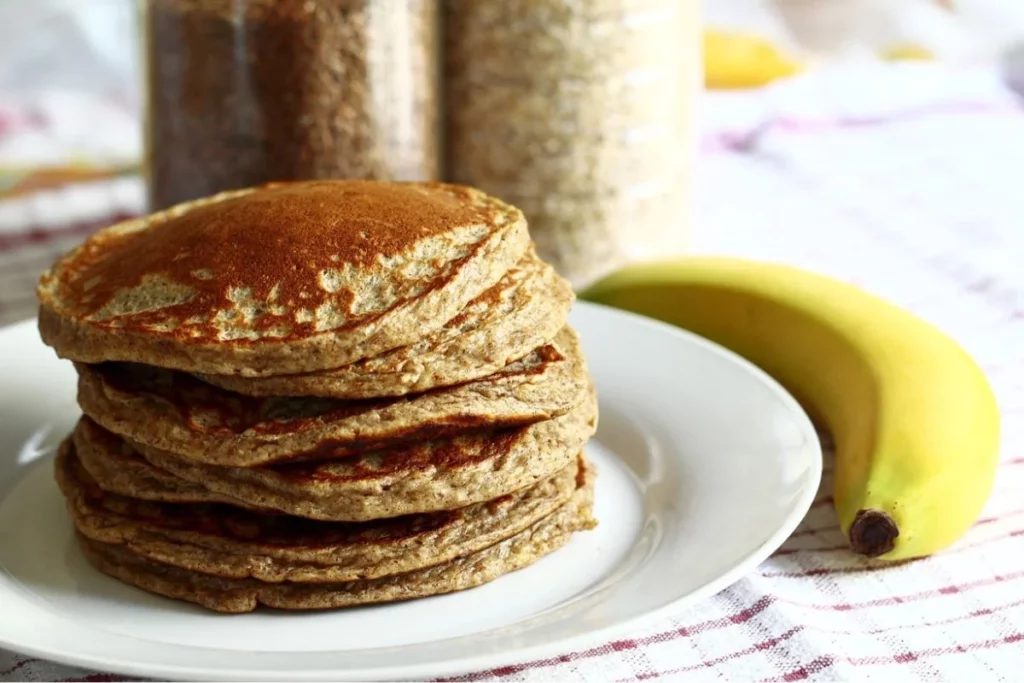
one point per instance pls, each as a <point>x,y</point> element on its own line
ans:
<point>242,92</point>
<point>580,112</point>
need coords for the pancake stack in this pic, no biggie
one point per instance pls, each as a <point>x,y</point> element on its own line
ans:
<point>320,394</point>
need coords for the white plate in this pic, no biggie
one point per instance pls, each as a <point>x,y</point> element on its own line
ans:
<point>706,466</point>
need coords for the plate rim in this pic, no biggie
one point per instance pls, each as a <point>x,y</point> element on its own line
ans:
<point>811,480</point>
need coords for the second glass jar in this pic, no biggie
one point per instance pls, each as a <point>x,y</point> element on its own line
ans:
<point>580,112</point>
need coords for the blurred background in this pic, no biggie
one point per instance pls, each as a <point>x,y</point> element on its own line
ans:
<point>894,118</point>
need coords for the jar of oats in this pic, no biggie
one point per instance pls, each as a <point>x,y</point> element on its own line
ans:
<point>242,92</point>
<point>580,112</point>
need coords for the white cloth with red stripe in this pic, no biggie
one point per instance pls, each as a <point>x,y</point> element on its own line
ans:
<point>926,209</point>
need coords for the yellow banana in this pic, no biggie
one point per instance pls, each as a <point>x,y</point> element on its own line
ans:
<point>915,422</point>
<point>741,60</point>
<point>906,52</point>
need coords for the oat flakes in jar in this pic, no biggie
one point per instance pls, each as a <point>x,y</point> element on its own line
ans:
<point>580,112</point>
<point>242,92</point>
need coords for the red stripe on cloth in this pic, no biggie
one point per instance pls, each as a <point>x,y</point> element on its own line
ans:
<point>715,661</point>
<point>815,665</point>
<point>803,672</point>
<point>744,616</point>
<point>910,597</point>
<point>39,236</point>
<point>744,140</point>
<point>976,614</point>
<point>1011,639</point>
<point>735,618</point>
<point>833,571</point>
<point>18,240</point>
<point>926,111</point>
<point>17,666</point>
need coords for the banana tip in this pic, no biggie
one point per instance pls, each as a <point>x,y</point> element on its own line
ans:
<point>873,533</point>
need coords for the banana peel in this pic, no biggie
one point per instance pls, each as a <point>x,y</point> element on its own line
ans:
<point>735,60</point>
<point>903,52</point>
<point>739,60</point>
<point>915,423</point>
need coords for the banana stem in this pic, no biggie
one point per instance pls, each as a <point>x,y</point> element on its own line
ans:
<point>873,533</point>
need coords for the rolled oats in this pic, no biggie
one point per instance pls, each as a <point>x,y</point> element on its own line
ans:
<point>243,92</point>
<point>580,113</point>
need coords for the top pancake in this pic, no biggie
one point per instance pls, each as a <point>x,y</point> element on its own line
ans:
<point>524,311</point>
<point>283,278</point>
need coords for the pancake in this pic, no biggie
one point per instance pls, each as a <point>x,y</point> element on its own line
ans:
<point>421,477</point>
<point>525,310</point>
<point>226,541</point>
<point>281,279</point>
<point>244,595</point>
<point>176,412</point>
<point>118,468</point>
<point>424,476</point>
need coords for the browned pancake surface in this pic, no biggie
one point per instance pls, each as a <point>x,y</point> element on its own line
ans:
<point>423,476</point>
<point>524,311</point>
<point>225,540</point>
<point>176,412</point>
<point>244,595</point>
<point>288,277</point>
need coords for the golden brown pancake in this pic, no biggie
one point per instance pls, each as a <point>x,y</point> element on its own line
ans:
<point>424,476</point>
<point>224,540</point>
<point>244,595</point>
<point>119,468</point>
<point>419,477</point>
<point>285,278</point>
<point>523,312</point>
<point>176,412</point>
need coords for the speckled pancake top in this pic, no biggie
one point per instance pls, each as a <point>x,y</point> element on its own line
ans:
<point>524,310</point>
<point>272,266</point>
